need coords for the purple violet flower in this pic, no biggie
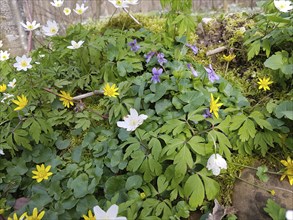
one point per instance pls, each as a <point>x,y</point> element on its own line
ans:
<point>161,59</point>
<point>193,48</point>
<point>134,46</point>
<point>156,74</point>
<point>149,56</point>
<point>207,114</point>
<point>193,71</point>
<point>211,74</point>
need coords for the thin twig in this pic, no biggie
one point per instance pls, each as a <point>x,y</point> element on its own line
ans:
<point>131,16</point>
<point>79,97</point>
<point>217,50</point>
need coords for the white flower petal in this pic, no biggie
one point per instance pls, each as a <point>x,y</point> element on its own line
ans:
<point>99,213</point>
<point>289,215</point>
<point>113,211</point>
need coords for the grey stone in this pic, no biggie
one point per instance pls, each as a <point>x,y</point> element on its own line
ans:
<point>250,201</point>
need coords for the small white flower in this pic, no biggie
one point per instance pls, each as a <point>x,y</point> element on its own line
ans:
<point>1,43</point>
<point>12,83</point>
<point>67,11</point>
<point>51,29</point>
<point>80,9</point>
<point>23,63</point>
<point>111,214</point>
<point>1,152</point>
<point>75,45</point>
<point>215,163</point>
<point>206,20</point>
<point>57,3</point>
<point>4,55</point>
<point>6,96</point>
<point>283,5</point>
<point>132,121</point>
<point>119,3</point>
<point>289,215</point>
<point>132,2</point>
<point>242,30</point>
<point>30,26</point>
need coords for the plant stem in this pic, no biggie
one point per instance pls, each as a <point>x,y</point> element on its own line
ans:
<point>131,16</point>
<point>253,168</point>
<point>252,184</point>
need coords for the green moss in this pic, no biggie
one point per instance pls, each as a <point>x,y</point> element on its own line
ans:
<point>227,180</point>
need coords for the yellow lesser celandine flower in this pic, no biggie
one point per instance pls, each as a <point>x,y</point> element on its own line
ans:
<point>66,99</point>
<point>264,83</point>
<point>90,216</point>
<point>36,215</point>
<point>14,217</point>
<point>3,87</point>
<point>21,102</point>
<point>288,170</point>
<point>214,106</point>
<point>110,91</point>
<point>42,173</point>
<point>229,58</point>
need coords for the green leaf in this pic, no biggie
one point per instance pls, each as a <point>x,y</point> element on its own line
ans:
<point>261,173</point>
<point>247,130</point>
<point>274,62</point>
<point>159,91</point>
<point>258,118</point>
<point>83,123</point>
<point>62,144</point>
<point>212,187</point>
<point>133,182</point>
<point>253,49</point>
<point>284,109</point>
<point>35,131</point>
<point>21,139</point>
<point>162,106</point>
<point>237,121</point>
<point>79,185</point>
<point>124,67</point>
<point>194,189</point>
<point>113,185</point>
<point>224,144</point>
<point>137,159</point>
<point>275,211</point>
<point>197,144</point>
<point>162,183</point>
<point>156,147</point>
<point>182,160</point>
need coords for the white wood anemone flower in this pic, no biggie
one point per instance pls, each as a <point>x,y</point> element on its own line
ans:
<point>22,63</point>
<point>75,45</point>
<point>57,3</point>
<point>12,83</point>
<point>132,2</point>
<point>4,55</point>
<point>111,213</point>
<point>51,29</point>
<point>215,163</point>
<point>30,26</point>
<point>80,9</point>
<point>283,5</point>
<point>119,3</point>
<point>67,11</point>
<point>132,121</point>
<point>289,214</point>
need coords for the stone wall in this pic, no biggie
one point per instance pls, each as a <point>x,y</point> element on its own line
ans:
<point>15,11</point>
